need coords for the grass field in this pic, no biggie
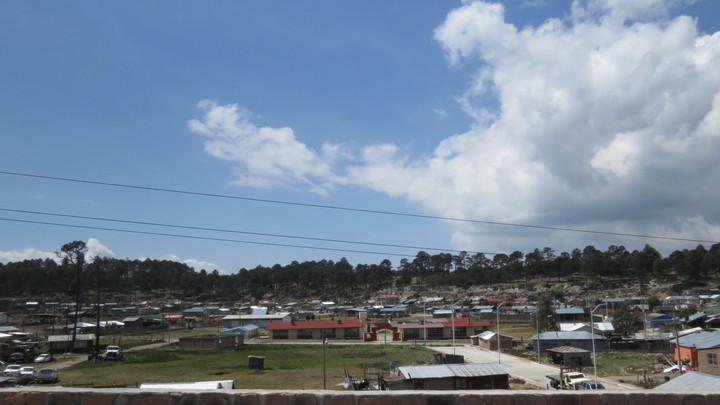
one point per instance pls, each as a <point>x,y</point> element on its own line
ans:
<point>287,366</point>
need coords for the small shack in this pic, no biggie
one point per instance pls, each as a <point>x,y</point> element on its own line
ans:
<point>63,343</point>
<point>478,376</point>
<point>488,340</point>
<point>568,356</point>
<point>208,342</point>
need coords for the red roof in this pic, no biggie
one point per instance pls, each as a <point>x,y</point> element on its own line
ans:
<point>339,324</point>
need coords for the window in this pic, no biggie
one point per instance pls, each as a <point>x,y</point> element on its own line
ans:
<point>304,334</point>
<point>712,359</point>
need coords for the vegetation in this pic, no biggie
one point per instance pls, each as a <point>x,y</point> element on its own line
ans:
<point>331,280</point>
<point>287,366</point>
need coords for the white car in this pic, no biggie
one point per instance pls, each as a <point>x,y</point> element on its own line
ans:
<point>43,358</point>
<point>113,352</point>
<point>27,371</point>
<point>13,370</point>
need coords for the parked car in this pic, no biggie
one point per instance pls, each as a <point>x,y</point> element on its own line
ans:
<point>13,370</point>
<point>49,375</point>
<point>113,352</point>
<point>27,371</point>
<point>17,357</point>
<point>43,358</point>
<point>590,385</point>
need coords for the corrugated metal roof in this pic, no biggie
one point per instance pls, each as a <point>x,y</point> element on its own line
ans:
<point>692,380</point>
<point>453,370</point>
<point>702,340</point>
<point>566,311</point>
<point>580,335</point>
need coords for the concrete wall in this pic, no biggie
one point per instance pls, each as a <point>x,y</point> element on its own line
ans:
<point>67,396</point>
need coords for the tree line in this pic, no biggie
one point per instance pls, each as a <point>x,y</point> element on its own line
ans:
<point>327,279</point>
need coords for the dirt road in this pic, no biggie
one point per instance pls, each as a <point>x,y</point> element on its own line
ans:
<point>530,371</point>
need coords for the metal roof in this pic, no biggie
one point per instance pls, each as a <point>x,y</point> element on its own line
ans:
<point>702,340</point>
<point>567,349</point>
<point>692,380</point>
<point>579,335</point>
<point>453,370</point>
<point>567,311</point>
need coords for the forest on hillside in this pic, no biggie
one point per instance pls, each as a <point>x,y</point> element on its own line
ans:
<point>327,279</point>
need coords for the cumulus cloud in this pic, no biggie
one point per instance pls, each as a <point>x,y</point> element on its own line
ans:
<point>26,254</point>
<point>265,157</point>
<point>608,118</point>
<point>97,249</point>
<point>194,263</point>
<point>94,249</point>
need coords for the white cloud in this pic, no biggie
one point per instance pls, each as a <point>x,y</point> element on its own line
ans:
<point>27,254</point>
<point>608,119</point>
<point>94,249</point>
<point>266,157</point>
<point>194,263</point>
<point>97,249</point>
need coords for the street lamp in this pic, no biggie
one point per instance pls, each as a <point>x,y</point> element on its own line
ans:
<point>452,319</point>
<point>324,343</point>
<point>425,322</point>
<point>498,330</point>
<point>592,337</point>
<point>537,325</point>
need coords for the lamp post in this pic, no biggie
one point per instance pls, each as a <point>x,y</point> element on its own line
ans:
<point>537,325</point>
<point>592,337</point>
<point>452,320</point>
<point>498,330</point>
<point>425,322</point>
<point>324,343</point>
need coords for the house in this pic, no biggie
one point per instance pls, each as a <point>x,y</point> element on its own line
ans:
<point>316,330</point>
<point>691,345</point>
<point>63,343</point>
<point>261,321</point>
<point>692,381</point>
<point>388,299</point>
<point>655,320</point>
<point>209,342</point>
<point>572,314</point>
<point>707,360</point>
<point>568,356</point>
<point>597,327</point>
<point>397,311</point>
<point>442,329</point>
<point>5,318</point>
<point>134,323</point>
<point>580,340</point>
<point>686,300</point>
<point>478,376</point>
<point>248,332</point>
<point>488,340</point>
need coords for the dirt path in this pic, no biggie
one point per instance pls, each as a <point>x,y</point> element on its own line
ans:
<point>72,359</point>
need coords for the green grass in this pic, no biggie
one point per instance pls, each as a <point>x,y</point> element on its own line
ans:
<point>611,364</point>
<point>286,366</point>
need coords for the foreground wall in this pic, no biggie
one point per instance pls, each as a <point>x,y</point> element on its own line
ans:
<point>67,396</point>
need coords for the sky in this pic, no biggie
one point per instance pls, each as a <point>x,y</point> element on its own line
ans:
<point>231,135</point>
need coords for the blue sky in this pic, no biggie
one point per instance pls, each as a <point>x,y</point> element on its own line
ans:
<point>599,115</point>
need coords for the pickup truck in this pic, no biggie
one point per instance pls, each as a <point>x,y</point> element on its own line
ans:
<point>113,352</point>
<point>567,381</point>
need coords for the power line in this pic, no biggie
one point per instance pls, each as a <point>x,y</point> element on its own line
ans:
<point>174,235</point>
<point>352,209</point>
<point>197,228</point>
